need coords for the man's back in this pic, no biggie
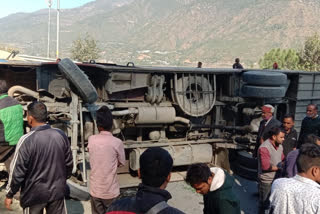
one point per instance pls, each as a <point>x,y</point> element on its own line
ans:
<point>41,164</point>
<point>106,154</point>
<point>295,195</point>
<point>145,199</point>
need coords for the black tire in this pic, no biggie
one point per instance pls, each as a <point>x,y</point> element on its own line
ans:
<point>264,78</point>
<point>262,91</point>
<point>245,159</point>
<point>77,191</point>
<point>79,80</point>
<point>202,104</point>
<point>251,174</point>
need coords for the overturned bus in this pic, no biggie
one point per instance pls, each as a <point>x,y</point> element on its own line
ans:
<point>196,114</point>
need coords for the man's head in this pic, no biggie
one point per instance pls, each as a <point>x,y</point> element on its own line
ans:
<point>275,65</point>
<point>155,167</point>
<point>199,177</point>
<point>277,135</point>
<point>308,162</point>
<point>237,60</point>
<point>36,114</point>
<point>267,111</point>
<point>312,110</point>
<point>3,87</point>
<point>311,138</point>
<point>288,122</point>
<point>104,119</point>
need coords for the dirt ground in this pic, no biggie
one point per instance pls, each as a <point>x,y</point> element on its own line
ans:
<point>183,198</point>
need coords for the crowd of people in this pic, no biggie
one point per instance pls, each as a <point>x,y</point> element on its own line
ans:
<point>288,167</point>
<point>41,162</point>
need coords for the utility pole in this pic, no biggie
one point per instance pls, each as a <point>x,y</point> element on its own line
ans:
<point>58,27</point>
<point>49,28</point>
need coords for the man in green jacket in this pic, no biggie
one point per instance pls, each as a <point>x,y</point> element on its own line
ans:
<point>216,187</point>
<point>11,124</point>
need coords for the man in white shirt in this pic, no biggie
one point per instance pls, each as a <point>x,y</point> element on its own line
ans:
<point>300,194</point>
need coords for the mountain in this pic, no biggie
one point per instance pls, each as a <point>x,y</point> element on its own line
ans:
<point>174,32</point>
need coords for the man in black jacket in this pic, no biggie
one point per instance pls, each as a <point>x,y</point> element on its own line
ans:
<point>155,172</point>
<point>268,122</point>
<point>290,138</point>
<point>310,124</point>
<point>42,162</point>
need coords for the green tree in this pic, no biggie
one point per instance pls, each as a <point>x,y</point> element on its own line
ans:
<point>285,58</point>
<point>85,49</point>
<point>310,54</point>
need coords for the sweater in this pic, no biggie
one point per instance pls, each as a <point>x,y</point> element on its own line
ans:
<point>268,156</point>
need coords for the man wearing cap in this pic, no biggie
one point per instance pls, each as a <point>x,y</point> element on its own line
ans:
<point>268,122</point>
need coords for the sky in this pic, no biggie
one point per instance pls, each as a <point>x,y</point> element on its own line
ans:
<point>8,7</point>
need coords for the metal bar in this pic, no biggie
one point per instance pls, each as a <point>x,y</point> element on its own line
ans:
<point>183,141</point>
<point>197,92</point>
<point>220,144</point>
<point>308,90</point>
<point>175,81</point>
<point>74,123</point>
<point>183,97</point>
<point>179,70</point>
<point>127,98</point>
<point>307,98</point>
<point>82,145</point>
<point>200,126</point>
<point>49,28</point>
<point>58,28</point>
<point>301,82</point>
<point>208,76</point>
<point>203,92</point>
<point>214,89</point>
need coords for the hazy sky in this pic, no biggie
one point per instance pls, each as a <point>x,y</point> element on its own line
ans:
<point>13,6</point>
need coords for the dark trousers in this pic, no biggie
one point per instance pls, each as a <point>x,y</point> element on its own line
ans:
<point>264,194</point>
<point>55,207</point>
<point>99,205</point>
<point>6,155</point>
